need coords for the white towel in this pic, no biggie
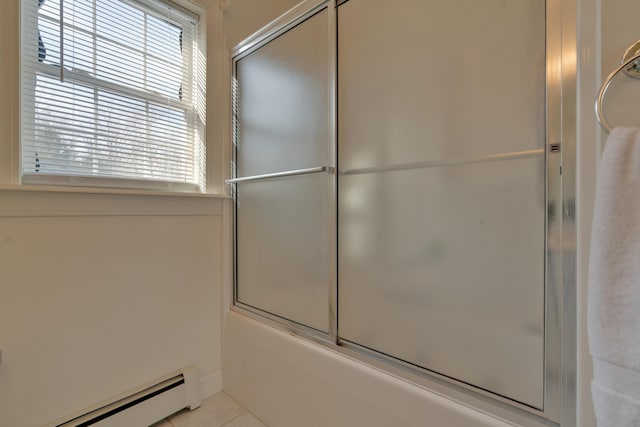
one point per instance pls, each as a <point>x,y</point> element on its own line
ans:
<point>614,283</point>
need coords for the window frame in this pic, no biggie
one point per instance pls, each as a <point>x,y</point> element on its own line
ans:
<point>31,65</point>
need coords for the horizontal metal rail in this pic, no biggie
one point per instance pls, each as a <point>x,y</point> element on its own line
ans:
<point>296,172</point>
<point>444,163</point>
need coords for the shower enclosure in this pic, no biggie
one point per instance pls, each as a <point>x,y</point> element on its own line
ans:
<point>397,187</point>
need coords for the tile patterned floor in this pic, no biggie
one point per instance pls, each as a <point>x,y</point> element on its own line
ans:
<point>217,411</point>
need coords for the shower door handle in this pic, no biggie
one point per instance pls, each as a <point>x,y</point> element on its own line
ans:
<point>296,172</point>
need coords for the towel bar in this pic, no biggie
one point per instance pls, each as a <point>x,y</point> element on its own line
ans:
<point>630,64</point>
<point>280,174</point>
<point>454,162</point>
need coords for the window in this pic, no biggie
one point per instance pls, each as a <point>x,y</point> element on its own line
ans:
<point>112,94</point>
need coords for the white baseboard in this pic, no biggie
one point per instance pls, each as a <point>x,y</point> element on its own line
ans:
<point>142,405</point>
<point>211,384</point>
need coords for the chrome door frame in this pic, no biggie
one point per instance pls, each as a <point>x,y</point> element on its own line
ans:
<point>289,20</point>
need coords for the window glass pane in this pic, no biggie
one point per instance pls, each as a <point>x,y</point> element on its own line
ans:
<point>49,8</point>
<point>120,121</point>
<point>169,124</point>
<point>64,126</point>
<point>120,64</point>
<point>120,43</point>
<point>49,38</point>
<point>119,22</point>
<point>78,14</point>
<point>78,51</point>
<point>164,40</point>
<point>164,72</point>
<point>167,82</point>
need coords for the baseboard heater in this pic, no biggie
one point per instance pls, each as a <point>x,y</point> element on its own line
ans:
<point>142,406</point>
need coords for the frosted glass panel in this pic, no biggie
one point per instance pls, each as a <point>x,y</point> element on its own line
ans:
<point>282,224</point>
<point>444,268</point>
<point>441,252</point>
<point>282,248</point>
<point>283,101</point>
<point>433,79</point>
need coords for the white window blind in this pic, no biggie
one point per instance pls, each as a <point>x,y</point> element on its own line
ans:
<point>111,90</point>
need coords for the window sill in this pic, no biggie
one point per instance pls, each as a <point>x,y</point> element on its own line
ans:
<point>107,191</point>
<point>31,201</point>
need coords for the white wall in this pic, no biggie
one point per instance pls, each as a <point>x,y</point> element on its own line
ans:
<point>242,18</point>
<point>9,87</point>
<point>100,293</point>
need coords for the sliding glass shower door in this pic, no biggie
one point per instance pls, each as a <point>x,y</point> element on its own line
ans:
<point>283,195</point>
<point>442,187</point>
